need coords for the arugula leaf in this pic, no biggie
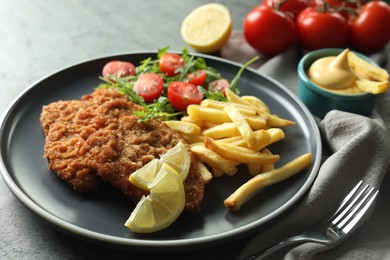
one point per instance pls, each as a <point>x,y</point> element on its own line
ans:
<point>214,95</point>
<point>185,69</point>
<point>185,54</point>
<point>124,87</point>
<point>212,74</point>
<point>161,51</point>
<point>144,66</point>
<point>234,82</point>
<point>162,108</point>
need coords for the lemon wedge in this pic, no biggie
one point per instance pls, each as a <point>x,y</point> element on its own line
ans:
<point>179,159</point>
<point>162,206</point>
<point>207,28</point>
<point>145,175</point>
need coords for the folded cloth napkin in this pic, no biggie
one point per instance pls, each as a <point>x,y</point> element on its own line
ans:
<point>355,148</point>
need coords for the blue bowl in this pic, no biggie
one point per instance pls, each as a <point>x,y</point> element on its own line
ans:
<point>320,101</point>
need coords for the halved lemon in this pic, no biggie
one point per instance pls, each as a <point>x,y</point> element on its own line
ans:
<point>162,206</point>
<point>179,159</point>
<point>145,175</point>
<point>207,28</point>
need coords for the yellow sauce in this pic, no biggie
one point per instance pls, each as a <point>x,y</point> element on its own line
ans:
<point>334,74</point>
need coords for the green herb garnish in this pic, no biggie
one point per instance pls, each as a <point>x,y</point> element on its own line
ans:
<point>162,108</point>
<point>235,80</point>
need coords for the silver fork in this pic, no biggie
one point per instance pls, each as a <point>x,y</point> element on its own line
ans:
<point>332,229</point>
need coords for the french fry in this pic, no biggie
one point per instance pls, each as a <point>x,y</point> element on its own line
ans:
<point>224,134</point>
<point>276,134</point>
<point>234,140</point>
<point>220,105</point>
<point>213,159</point>
<point>254,169</point>
<point>221,131</point>
<point>204,172</point>
<point>198,121</point>
<point>275,121</point>
<point>242,125</point>
<point>256,102</point>
<point>234,98</point>
<point>216,172</point>
<point>256,122</point>
<point>272,120</point>
<point>267,167</point>
<point>213,104</point>
<point>239,154</point>
<point>366,70</point>
<point>184,127</point>
<point>235,200</point>
<point>373,87</point>
<point>192,139</point>
<point>212,115</point>
<point>263,138</point>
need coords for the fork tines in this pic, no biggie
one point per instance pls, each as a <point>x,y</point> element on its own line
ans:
<point>353,207</point>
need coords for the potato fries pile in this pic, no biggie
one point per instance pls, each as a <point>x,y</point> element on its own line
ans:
<point>370,78</point>
<point>223,135</point>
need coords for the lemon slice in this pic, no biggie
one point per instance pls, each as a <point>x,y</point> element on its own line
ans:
<point>179,159</point>
<point>145,175</point>
<point>162,206</point>
<point>207,28</point>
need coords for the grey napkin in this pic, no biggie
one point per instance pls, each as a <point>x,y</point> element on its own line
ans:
<point>355,148</point>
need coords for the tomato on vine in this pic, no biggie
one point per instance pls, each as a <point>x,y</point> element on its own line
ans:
<point>319,28</point>
<point>370,30</point>
<point>268,30</point>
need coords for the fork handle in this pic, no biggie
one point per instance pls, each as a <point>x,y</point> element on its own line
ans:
<point>273,248</point>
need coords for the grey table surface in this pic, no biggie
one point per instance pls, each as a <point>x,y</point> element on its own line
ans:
<point>41,37</point>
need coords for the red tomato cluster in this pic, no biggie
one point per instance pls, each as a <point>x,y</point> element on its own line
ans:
<point>276,25</point>
<point>150,85</point>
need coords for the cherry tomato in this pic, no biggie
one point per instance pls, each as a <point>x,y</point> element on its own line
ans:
<point>182,94</point>
<point>220,85</point>
<point>170,62</point>
<point>293,7</point>
<point>320,29</point>
<point>269,31</point>
<point>118,68</point>
<point>197,78</point>
<point>149,86</point>
<point>370,31</point>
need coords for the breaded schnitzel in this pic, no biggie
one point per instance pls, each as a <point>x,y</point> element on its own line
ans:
<point>99,138</point>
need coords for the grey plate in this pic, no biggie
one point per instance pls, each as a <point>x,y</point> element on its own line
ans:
<point>99,217</point>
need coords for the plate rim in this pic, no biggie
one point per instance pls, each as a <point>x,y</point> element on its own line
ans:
<point>166,244</point>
